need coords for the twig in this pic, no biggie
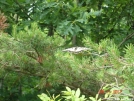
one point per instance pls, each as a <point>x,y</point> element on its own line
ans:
<point>116,82</point>
<point>126,38</point>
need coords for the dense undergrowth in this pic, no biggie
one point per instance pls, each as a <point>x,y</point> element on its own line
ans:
<point>32,63</point>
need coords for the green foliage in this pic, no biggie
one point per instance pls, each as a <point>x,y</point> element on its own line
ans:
<point>68,95</point>
<point>31,62</point>
<point>73,95</point>
<point>83,18</point>
<point>31,56</point>
<point>21,61</point>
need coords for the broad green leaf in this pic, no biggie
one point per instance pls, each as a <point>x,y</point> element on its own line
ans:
<point>77,93</point>
<point>95,13</point>
<point>77,29</point>
<point>80,20</point>
<point>44,97</point>
<point>106,95</point>
<point>92,98</point>
<point>97,95</point>
<point>99,99</point>
<point>68,89</point>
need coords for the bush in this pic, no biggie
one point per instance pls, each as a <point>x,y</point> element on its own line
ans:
<point>31,56</point>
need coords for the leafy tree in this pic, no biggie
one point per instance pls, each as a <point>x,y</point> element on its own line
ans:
<point>80,18</point>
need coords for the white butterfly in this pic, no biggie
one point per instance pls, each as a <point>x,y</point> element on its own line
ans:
<point>76,49</point>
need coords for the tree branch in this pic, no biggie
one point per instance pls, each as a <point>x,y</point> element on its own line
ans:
<point>126,38</point>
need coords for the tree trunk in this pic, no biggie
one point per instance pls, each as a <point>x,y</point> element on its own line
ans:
<point>50,30</point>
